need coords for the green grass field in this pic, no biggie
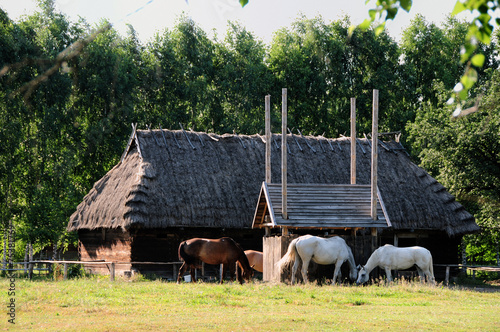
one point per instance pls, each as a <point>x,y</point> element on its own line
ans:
<point>97,304</point>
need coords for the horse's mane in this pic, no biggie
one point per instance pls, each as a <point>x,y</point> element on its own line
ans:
<point>242,257</point>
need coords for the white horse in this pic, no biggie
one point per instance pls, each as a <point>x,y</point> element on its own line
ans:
<point>390,258</point>
<point>323,251</point>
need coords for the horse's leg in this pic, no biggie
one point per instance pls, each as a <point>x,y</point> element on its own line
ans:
<point>223,273</point>
<point>193,273</point>
<point>388,274</point>
<point>337,274</point>
<point>421,275</point>
<point>305,265</point>
<point>181,271</point>
<point>426,275</point>
<point>295,267</point>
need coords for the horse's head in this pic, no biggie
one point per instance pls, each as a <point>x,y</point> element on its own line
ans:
<point>247,274</point>
<point>353,274</point>
<point>363,275</point>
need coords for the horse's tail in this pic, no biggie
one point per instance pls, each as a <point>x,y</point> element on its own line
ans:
<point>289,257</point>
<point>183,256</point>
<point>431,268</point>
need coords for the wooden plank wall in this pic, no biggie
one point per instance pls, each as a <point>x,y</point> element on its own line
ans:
<point>274,248</point>
<point>108,245</point>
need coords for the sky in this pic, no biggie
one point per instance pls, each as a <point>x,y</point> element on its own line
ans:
<point>261,17</point>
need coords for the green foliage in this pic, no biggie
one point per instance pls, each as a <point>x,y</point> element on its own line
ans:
<point>464,155</point>
<point>322,67</point>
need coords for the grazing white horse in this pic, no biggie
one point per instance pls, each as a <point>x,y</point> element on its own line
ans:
<point>390,258</point>
<point>324,251</point>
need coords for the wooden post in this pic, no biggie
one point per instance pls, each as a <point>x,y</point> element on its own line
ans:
<point>447,277</point>
<point>112,272</point>
<point>30,271</point>
<point>374,156</point>
<point>283,152</point>
<point>268,139</point>
<point>65,271</point>
<point>396,240</point>
<point>353,140</point>
<point>175,272</point>
<point>373,209</point>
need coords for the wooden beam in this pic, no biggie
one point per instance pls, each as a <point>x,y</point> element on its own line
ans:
<point>374,177</point>
<point>307,142</point>
<point>185,135</point>
<point>284,111</point>
<point>353,140</point>
<point>268,138</point>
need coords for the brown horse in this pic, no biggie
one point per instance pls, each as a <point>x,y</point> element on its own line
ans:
<point>223,251</point>
<point>255,259</point>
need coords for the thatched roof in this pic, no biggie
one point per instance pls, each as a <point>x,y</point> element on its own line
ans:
<point>164,180</point>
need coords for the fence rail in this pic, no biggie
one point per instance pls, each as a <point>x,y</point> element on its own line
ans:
<point>30,266</point>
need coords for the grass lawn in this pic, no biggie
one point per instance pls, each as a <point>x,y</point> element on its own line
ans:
<point>97,304</point>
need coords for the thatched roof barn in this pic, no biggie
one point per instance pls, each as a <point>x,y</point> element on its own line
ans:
<point>189,180</point>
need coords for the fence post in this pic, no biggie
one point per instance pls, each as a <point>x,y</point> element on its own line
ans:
<point>175,272</point>
<point>447,277</point>
<point>112,272</point>
<point>65,271</point>
<point>30,270</point>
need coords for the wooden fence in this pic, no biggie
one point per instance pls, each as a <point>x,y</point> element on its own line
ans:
<point>29,267</point>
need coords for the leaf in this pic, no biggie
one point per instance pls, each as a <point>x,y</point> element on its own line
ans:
<point>379,29</point>
<point>478,60</point>
<point>406,4</point>
<point>243,3</point>
<point>459,7</point>
<point>391,13</point>
<point>350,30</point>
<point>365,25</point>
<point>468,80</point>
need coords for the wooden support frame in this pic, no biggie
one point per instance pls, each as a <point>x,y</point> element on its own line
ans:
<point>284,112</point>
<point>353,140</point>
<point>268,138</point>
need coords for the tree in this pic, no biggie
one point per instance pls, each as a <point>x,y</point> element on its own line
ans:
<point>464,155</point>
<point>479,30</point>
<point>36,122</point>
<point>242,78</point>
<point>322,68</point>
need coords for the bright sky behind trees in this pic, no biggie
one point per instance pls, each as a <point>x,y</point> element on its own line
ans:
<point>259,16</point>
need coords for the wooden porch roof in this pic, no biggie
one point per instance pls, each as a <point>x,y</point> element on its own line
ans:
<point>324,206</point>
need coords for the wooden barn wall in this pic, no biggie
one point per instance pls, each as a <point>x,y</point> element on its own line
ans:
<point>109,245</point>
<point>161,245</point>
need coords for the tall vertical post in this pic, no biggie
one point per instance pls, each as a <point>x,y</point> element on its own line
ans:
<point>374,176</point>
<point>268,138</point>
<point>283,152</point>
<point>353,140</point>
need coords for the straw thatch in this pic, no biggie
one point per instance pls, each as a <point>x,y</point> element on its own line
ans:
<point>164,180</point>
